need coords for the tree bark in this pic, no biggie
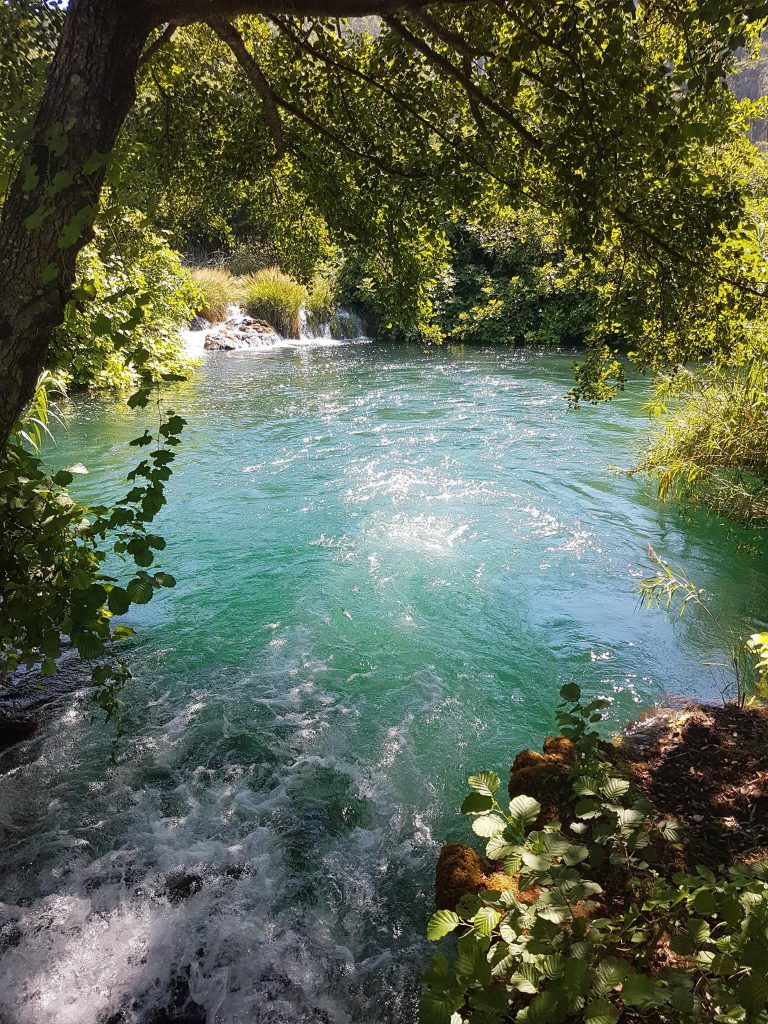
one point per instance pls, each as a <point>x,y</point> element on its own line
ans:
<point>50,210</point>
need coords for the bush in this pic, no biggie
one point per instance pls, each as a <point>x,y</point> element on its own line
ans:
<point>514,283</point>
<point>131,300</point>
<point>218,288</point>
<point>273,296</point>
<point>53,550</point>
<point>251,257</point>
<point>661,945</point>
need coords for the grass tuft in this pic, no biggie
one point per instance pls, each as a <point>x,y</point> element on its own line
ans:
<point>275,297</point>
<point>218,288</point>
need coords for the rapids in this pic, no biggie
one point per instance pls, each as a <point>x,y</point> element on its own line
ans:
<point>388,562</point>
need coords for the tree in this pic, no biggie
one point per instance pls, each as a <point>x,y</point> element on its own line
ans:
<point>601,112</point>
<point>53,201</point>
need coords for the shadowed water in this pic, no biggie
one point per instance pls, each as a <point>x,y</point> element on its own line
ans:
<point>388,563</point>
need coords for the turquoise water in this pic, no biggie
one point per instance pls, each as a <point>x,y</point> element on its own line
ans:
<point>388,563</point>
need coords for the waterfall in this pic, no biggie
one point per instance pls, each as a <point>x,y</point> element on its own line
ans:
<point>342,326</point>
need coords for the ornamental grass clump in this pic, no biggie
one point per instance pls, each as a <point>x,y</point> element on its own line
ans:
<point>275,297</point>
<point>218,288</point>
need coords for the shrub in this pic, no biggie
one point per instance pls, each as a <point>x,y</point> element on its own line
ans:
<point>251,257</point>
<point>217,289</point>
<point>662,945</point>
<point>53,551</point>
<point>131,300</point>
<point>713,448</point>
<point>275,297</point>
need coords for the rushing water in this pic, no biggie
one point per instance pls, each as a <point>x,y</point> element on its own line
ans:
<point>388,563</point>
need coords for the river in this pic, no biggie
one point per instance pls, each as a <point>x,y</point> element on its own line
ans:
<point>388,562</point>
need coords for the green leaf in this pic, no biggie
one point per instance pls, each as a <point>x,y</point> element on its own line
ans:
<point>525,980</point>
<point>600,1011</point>
<point>498,848</point>
<point>441,923</point>
<point>123,632</point>
<point>615,788</point>
<point>89,646</point>
<point>609,973</point>
<point>705,902</point>
<point>698,931</point>
<point>524,809</point>
<point>485,920</point>
<point>752,993</point>
<point>638,990</point>
<point>586,785</point>
<point>486,783</point>
<point>118,601</point>
<point>140,591</point>
<point>438,1007</point>
<point>574,854</point>
<point>544,1009</point>
<point>571,692</point>
<point>476,803</point>
<point>488,825</point>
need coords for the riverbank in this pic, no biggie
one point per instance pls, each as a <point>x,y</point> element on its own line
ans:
<point>704,766</point>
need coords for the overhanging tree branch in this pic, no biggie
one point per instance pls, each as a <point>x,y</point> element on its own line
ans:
<point>185,12</point>
<point>165,36</point>
<point>232,38</point>
<point>248,63</point>
<point>441,63</point>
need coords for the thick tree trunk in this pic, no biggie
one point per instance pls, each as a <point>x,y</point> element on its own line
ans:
<point>50,210</point>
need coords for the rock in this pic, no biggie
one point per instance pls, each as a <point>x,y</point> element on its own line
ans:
<point>545,777</point>
<point>199,323</point>
<point>27,693</point>
<point>461,871</point>
<point>240,333</point>
<point>14,730</point>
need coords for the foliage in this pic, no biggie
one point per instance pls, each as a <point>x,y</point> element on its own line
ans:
<point>713,447</point>
<point>670,585</point>
<point>28,34</point>
<point>131,300</point>
<point>273,296</point>
<point>758,645</point>
<point>321,298</point>
<point>218,288</point>
<point>660,945</point>
<point>249,256</point>
<point>514,283</point>
<point>610,119</point>
<point>53,549</point>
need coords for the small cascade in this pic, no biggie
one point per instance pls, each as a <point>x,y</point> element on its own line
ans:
<point>342,326</point>
<point>310,327</point>
<point>241,332</point>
